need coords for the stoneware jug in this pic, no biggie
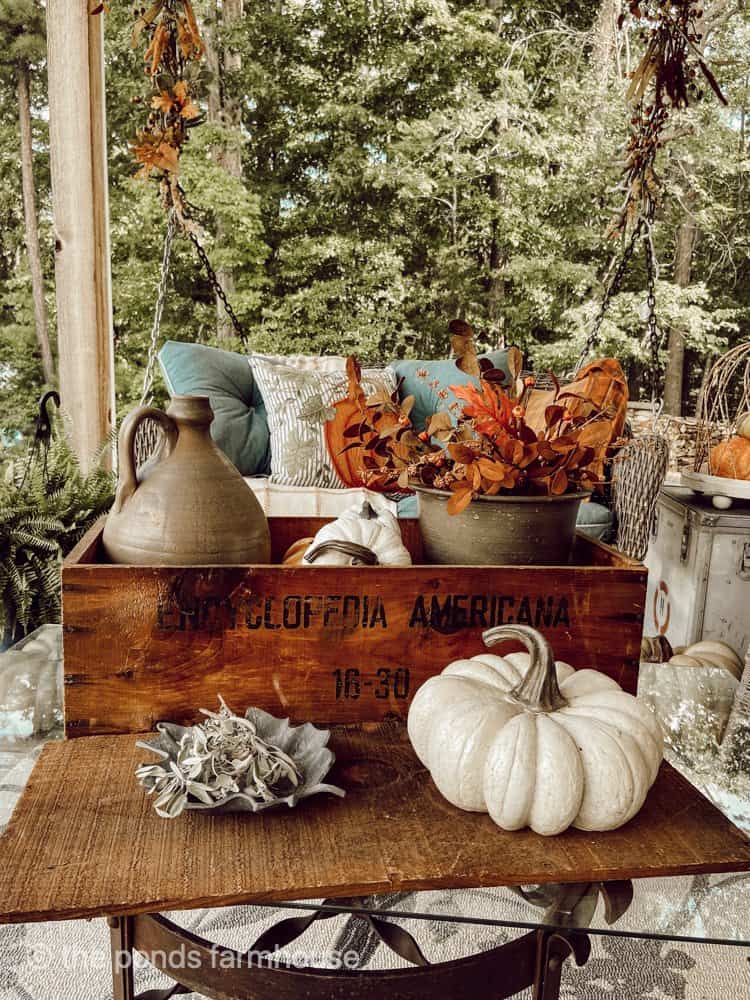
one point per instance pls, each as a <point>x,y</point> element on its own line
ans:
<point>194,508</point>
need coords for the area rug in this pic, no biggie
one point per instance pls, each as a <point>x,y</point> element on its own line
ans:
<point>71,960</point>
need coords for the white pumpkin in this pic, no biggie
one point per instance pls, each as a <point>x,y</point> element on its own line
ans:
<point>743,425</point>
<point>362,536</point>
<point>533,742</point>
<point>709,653</point>
<point>683,660</point>
<point>694,691</point>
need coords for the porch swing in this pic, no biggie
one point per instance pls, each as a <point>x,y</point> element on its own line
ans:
<point>637,470</point>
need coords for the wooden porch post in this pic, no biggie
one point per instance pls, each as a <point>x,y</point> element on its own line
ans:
<point>78,155</point>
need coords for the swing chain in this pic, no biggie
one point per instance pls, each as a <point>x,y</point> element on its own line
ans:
<point>643,230</point>
<point>161,296</point>
<point>216,285</point>
<point>651,323</point>
<point>610,291</point>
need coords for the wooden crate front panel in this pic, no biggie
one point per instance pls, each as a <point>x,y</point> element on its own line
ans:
<point>320,643</point>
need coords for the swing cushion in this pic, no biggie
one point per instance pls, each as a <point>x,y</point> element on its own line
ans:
<point>240,427</point>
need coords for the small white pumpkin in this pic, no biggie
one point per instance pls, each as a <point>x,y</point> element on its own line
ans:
<point>743,425</point>
<point>535,743</point>
<point>361,536</point>
<point>710,653</point>
<point>683,660</point>
<point>694,691</point>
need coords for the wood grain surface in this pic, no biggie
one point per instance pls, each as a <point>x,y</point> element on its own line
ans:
<point>78,164</point>
<point>336,645</point>
<point>84,840</point>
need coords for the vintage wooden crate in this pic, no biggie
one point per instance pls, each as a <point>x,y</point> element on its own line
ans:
<point>320,643</point>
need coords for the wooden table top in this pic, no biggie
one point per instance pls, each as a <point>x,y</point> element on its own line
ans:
<point>84,840</point>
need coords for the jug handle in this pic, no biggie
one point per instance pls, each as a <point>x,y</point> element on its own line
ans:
<point>128,481</point>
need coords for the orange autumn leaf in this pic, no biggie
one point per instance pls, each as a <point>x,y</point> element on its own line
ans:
<point>163,102</point>
<point>597,434</point>
<point>193,30</point>
<point>559,483</point>
<point>462,344</point>
<point>494,471</point>
<point>460,453</point>
<point>190,111</point>
<point>154,153</point>
<point>179,98</point>
<point>462,497</point>
<point>185,38</point>
<point>188,108</point>
<point>167,157</point>
<point>155,52</point>
<point>490,410</point>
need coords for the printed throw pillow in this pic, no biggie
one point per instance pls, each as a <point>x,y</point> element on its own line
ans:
<point>298,403</point>
<point>429,382</point>
<point>308,362</point>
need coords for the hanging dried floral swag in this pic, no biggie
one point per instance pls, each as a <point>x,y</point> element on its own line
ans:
<point>665,79</point>
<point>172,51</point>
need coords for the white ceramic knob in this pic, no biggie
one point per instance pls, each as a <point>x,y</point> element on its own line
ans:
<point>721,502</point>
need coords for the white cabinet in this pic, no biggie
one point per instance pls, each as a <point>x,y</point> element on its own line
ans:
<point>699,572</point>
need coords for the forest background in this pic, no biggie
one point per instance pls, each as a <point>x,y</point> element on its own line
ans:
<point>369,169</point>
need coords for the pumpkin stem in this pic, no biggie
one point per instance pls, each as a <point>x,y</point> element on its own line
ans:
<point>538,690</point>
<point>360,552</point>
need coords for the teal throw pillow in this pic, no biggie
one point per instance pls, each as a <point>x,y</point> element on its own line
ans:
<point>240,427</point>
<point>429,381</point>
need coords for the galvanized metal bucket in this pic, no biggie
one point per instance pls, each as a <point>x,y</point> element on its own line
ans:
<point>499,530</point>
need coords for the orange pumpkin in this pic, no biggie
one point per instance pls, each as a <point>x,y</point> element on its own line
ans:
<point>296,552</point>
<point>731,459</point>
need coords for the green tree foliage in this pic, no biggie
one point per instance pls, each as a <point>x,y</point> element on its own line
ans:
<point>404,162</point>
<point>407,162</point>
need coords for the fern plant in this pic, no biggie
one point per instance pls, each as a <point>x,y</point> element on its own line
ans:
<point>44,510</point>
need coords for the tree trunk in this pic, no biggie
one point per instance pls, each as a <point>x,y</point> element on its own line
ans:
<point>603,51</point>
<point>687,237</point>
<point>496,282</point>
<point>31,224</point>
<point>716,14</point>
<point>496,279</point>
<point>213,65</point>
<point>227,111</point>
